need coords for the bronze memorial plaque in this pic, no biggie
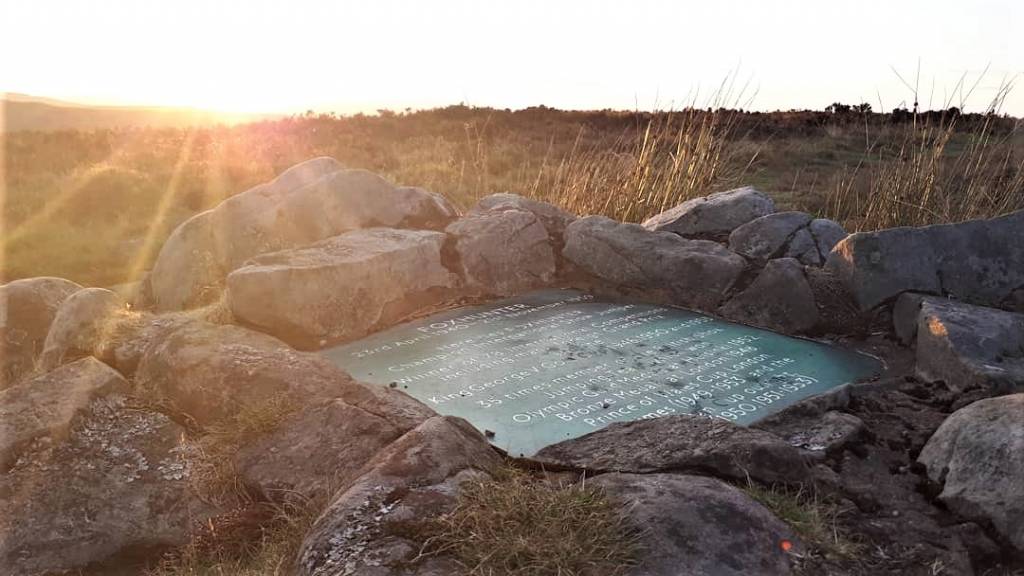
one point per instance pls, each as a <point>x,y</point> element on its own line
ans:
<point>556,364</point>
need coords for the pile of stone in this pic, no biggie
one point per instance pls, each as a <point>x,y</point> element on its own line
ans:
<point>103,401</point>
<point>323,254</point>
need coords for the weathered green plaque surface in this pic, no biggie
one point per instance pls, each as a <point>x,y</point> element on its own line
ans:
<point>557,364</point>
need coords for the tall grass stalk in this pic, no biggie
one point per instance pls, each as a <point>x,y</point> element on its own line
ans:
<point>673,157</point>
<point>934,174</point>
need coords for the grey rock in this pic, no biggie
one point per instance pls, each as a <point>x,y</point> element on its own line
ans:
<point>768,236</point>
<point>503,252</point>
<point>803,247</point>
<point>1014,302</point>
<point>308,203</point>
<point>141,332</point>
<point>188,271</point>
<point>970,346</point>
<point>192,264</point>
<point>418,476</point>
<point>190,268</point>
<point>980,262</point>
<point>342,287</point>
<point>827,233</point>
<point>698,273</point>
<point>682,444</point>
<point>211,372</point>
<point>27,308</point>
<point>47,405</point>
<point>554,219</point>
<point>350,200</point>
<point>780,298</point>
<point>904,316</point>
<point>117,485</point>
<point>86,324</point>
<point>838,313</point>
<point>977,455</point>
<point>244,224</point>
<point>706,525</point>
<point>825,436</point>
<point>713,216</point>
<point>324,445</point>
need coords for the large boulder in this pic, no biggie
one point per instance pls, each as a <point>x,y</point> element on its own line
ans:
<point>698,273</point>
<point>503,252</point>
<point>139,333</point>
<point>343,287</point>
<point>310,202</point>
<point>780,298</point>
<point>212,372</point>
<point>27,308</point>
<point>970,346</point>
<point>768,236</point>
<point>192,264</point>
<point>86,324</point>
<point>713,216</point>
<point>682,444</point>
<point>826,233</point>
<point>977,456</point>
<point>113,494</point>
<point>554,219</point>
<point>47,405</point>
<point>980,262</point>
<point>905,312</point>
<point>364,530</point>
<point>803,247</point>
<point>325,445</point>
<point>294,423</point>
<point>702,524</point>
<point>787,235</point>
<point>243,225</point>
<point>188,271</point>
<point>349,200</point>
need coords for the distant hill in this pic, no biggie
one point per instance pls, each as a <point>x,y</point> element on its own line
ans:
<point>24,112</point>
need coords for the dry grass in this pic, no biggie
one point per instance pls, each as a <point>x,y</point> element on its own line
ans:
<point>516,525</point>
<point>95,206</point>
<point>677,156</point>
<point>211,456</point>
<point>814,520</point>
<point>255,538</point>
<point>927,175</point>
<point>259,540</point>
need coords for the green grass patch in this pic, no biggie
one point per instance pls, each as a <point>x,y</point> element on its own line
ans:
<point>814,520</point>
<point>257,540</point>
<point>518,525</point>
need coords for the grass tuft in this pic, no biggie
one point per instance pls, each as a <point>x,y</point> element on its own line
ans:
<point>815,521</point>
<point>930,172</point>
<point>213,473</point>
<point>517,525</point>
<point>256,540</point>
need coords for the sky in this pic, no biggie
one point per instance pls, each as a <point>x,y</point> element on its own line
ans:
<point>343,56</point>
